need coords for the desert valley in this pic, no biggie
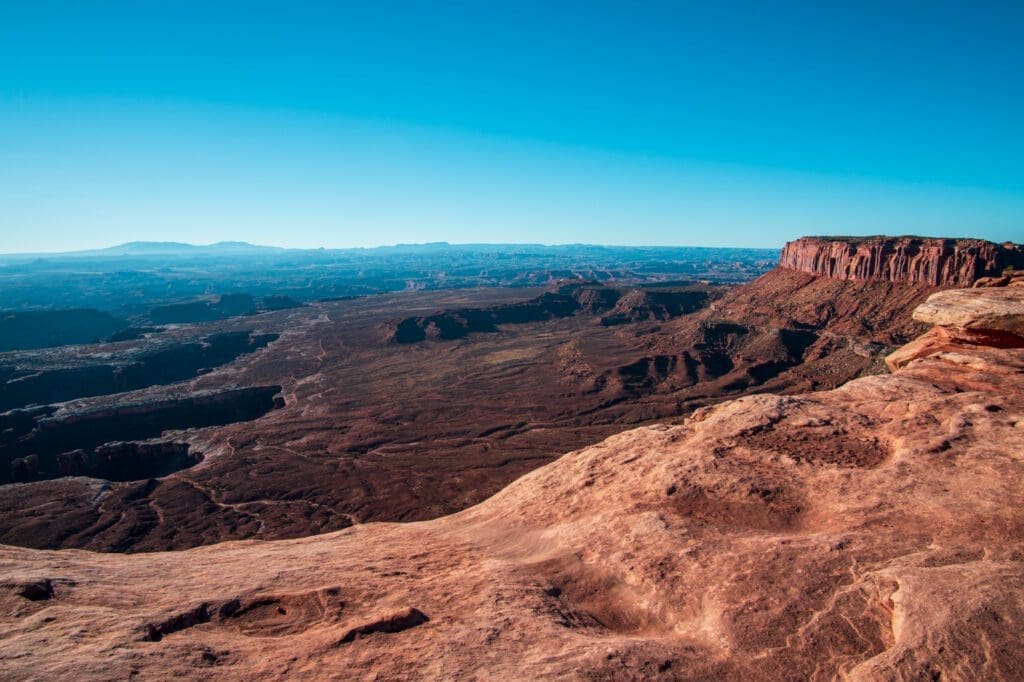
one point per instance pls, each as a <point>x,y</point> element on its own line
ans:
<point>811,474</point>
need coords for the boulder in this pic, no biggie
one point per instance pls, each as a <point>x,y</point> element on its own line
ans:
<point>949,339</point>
<point>992,309</point>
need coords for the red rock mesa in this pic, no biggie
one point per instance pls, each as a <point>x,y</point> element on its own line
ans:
<point>935,262</point>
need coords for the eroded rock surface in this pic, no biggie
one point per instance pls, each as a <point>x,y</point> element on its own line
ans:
<point>965,318</point>
<point>996,310</point>
<point>873,531</point>
<point>935,262</point>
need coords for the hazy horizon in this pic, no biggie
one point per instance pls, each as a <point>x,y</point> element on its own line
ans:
<point>239,243</point>
<point>695,124</point>
<point>454,245</point>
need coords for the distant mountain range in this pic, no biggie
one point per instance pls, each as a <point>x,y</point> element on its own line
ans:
<point>158,249</point>
<point>147,250</point>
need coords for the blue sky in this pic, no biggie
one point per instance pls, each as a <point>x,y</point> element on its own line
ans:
<point>344,124</point>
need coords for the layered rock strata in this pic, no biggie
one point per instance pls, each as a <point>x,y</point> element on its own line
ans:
<point>935,262</point>
<point>965,318</point>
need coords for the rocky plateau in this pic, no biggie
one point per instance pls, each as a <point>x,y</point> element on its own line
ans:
<point>869,531</point>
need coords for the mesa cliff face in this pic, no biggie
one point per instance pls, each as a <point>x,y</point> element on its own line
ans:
<point>915,260</point>
<point>869,532</point>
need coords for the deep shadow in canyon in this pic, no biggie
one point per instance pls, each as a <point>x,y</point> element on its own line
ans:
<point>37,444</point>
<point>170,363</point>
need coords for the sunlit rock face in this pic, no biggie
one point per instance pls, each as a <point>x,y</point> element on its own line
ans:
<point>936,262</point>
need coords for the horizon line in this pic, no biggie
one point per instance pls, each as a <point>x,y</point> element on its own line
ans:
<point>99,250</point>
<point>240,244</point>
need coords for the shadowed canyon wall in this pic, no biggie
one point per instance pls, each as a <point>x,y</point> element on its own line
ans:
<point>166,365</point>
<point>40,443</point>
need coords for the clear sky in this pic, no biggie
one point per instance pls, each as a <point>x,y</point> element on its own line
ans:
<point>354,124</point>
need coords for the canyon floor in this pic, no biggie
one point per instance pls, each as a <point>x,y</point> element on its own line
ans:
<point>401,407</point>
<point>872,531</point>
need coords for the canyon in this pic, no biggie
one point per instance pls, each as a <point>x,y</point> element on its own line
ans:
<point>748,491</point>
<point>399,407</point>
<point>33,379</point>
<point>45,443</point>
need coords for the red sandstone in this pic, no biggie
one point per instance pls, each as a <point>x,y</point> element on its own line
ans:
<point>935,262</point>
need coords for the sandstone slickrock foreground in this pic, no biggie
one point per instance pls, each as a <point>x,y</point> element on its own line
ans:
<point>874,531</point>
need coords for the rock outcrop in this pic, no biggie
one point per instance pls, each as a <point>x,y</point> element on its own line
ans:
<point>981,309</point>
<point>965,318</point>
<point>869,532</point>
<point>935,262</point>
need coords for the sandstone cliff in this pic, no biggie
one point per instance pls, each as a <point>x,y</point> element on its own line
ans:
<point>869,532</point>
<point>935,262</point>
